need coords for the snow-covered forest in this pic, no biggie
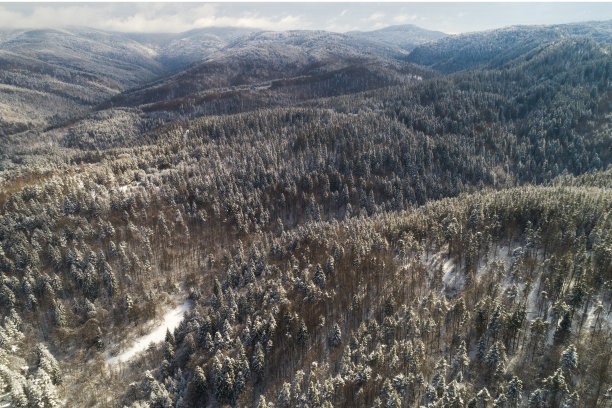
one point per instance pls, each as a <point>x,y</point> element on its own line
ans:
<point>240,218</point>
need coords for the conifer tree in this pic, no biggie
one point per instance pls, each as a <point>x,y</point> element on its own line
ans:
<point>258,361</point>
<point>513,392</point>
<point>569,359</point>
<point>335,337</point>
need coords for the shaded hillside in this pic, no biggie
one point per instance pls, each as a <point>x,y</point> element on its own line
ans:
<point>547,105</point>
<point>266,59</point>
<point>492,49</point>
<point>48,76</point>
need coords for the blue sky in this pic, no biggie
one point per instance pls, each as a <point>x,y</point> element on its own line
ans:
<point>341,17</point>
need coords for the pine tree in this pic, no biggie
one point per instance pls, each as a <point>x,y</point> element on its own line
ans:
<point>569,359</point>
<point>439,379</point>
<point>481,351</point>
<point>429,395</point>
<point>555,388</point>
<point>261,402</point>
<point>461,360</point>
<point>170,338</point>
<point>500,401</point>
<point>319,277</point>
<point>513,392</point>
<point>389,306</point>
<point>482,398</point>
<point>160,397</point>
<point>496,359</point>
<point>302,334</point>
<point>494,324</point>
<point>335,337</point>
<point>45,361</point>
<point>223,374</point>
<point>110,282</point>
<point>208,343</point>
<point>329,266</point>
<point>59,313</point>
<point>168,351</point>
<point>564,331</point>
<point>389,395</point>
<point>258,361</point>
<point>199,385</point>
<point>571,401</point>
<point>284,396</point>
<point>536,400</point>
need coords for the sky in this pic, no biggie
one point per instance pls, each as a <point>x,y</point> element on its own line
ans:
<point>452,18</point>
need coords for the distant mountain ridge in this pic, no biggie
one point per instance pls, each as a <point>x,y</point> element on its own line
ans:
<point>176,51</point>
<point>406,37</point>
<point>70,71</point>
<point>493,48</point>
<point>269,60</point>
<point>52,77</point>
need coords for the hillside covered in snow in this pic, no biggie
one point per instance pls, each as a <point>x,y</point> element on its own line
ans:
<point>236,217</point>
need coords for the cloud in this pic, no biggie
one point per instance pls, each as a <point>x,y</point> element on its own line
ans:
<point>46,16</point>
<point>376,16</point>
<point>154,17</point>
<point>404,18</point>
<point>340,17</point>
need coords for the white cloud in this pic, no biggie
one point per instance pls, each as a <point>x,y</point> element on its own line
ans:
<point>404,18</point>
<point>47,16</point>
<point>376,16</point>
<point>177,17</point>
<point>154,17</point>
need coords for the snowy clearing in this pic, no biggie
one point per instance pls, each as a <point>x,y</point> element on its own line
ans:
<point>169,321</point>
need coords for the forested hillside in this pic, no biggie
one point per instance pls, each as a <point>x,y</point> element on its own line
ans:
<point>406,36</point>
<point>329,227</point>
<point>49,76</point>
<point>492,49</point>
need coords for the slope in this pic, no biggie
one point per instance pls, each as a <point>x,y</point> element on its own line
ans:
<point>53,76</point>
<point>308,63</point>
<point>491,49</point>
<point>49,76</point>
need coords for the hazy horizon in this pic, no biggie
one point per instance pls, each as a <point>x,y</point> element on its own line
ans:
<point>451,18</point>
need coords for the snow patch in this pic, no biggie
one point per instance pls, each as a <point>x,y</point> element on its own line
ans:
<point>452,278</point>
<point>604,322</point>
<point>531,308</point>
<point>448,268</point>
<point>169,321</point>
